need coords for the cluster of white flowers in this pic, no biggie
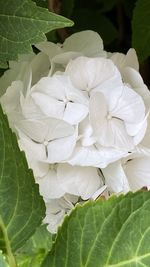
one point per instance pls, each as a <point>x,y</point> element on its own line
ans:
<point>82,117</point>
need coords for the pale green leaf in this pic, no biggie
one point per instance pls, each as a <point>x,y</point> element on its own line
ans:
<point>22,25</point>
<point>35,260</point>
<point>21,207</point>
<point>40,241</point>
<point>112,233</point>
<point>34,251</point>
<point>141,28</point>
<point>3,262</point>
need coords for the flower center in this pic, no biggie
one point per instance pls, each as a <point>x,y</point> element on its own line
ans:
<point>45,143</point>
<point>66,101</point>
<point>109,116</point>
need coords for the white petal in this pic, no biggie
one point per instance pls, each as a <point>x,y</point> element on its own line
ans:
<point>138,172</point>
<point>53,221</point>
<point>75,95</point>
<point>138,152</point>
<point>83,42</point>
<point>74,113</point>
<point>58,129</point>
<point>49,48</point>
<point>53,87</point>
<point>70,199</point>
<point>65,57</point>
<point>10,100</point>
<point>61,149</point>
<point>39,168</point>
<point>137,130</point>
<point>128,60</point>
<point>139,137</point>
<point>80,181</point>
<point>115,135</point>
<point>48,105</point>
<point>133,78</point>
<point>32,149</point>
<point>109,132</point>
<point>59,62</point>
<point>32,128</point>
<point>49,185</point>
<point>130,107</point>
<point>115,178</point>
<point>40,67</point>
<point>60,87</point>
<point>99,192</point>
<point>94,71</point>
<point>118,59</point>
<point>112,91</point>
<point>51,129</point>
<point>97,112</point>
<point>29,109</point>
<point>96,157</point>
<point>86,133</point>
<point>16,72</point>
<point>132,59</point>
<point>55,212</point>
<point>146,139</point>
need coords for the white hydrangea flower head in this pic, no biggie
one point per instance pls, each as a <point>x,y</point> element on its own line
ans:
<point>75,109</point>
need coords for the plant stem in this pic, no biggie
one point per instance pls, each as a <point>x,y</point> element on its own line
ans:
<point>9,254</point>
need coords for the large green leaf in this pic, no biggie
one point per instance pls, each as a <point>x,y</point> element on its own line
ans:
<point>21,207</point>
<point>141,28</point>
<point>113,233</point>
<point>23,24</point>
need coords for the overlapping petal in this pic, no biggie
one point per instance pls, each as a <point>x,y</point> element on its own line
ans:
<point>79,181</point>
<point>57,98</point>
<point>88,73</point>
<point>95,155</point>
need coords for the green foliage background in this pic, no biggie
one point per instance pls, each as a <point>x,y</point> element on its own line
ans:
<point>102,233</point>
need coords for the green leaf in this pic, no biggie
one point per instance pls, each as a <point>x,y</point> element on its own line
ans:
<point>112,233</point>
<point>128,6</point>
<point>40,241</point>
<point>3,262</point>
<point>30,261</point>
<point>22,25</point>
<point>36,248</point>
<point>21,207</point>
<point>41,3</point>
<point>141,28</point>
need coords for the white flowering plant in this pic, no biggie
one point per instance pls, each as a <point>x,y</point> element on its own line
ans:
<point>75,154</point>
